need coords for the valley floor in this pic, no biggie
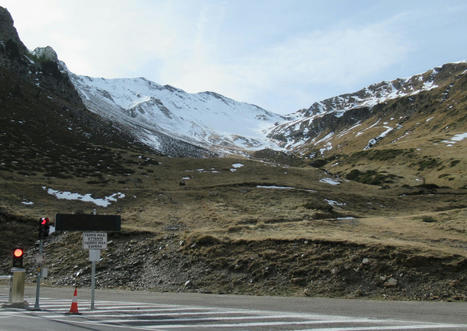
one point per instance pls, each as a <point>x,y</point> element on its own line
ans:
<point>247,227</point>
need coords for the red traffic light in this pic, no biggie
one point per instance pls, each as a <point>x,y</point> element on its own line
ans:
<point>18,257</point>
<point>18,252</point>
<point>44,227</point>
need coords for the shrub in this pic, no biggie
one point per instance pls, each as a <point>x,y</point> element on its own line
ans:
<point>370,177</point>
<point>428,219</point>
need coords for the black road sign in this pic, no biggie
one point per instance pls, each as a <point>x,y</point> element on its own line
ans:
<point>83,222</point>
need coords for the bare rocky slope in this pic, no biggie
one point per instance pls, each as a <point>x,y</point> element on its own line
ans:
<point>301,267</point>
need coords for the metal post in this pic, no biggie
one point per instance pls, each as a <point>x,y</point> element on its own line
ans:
<point>39,274</point>
<point>93,282</point>
<point>94,255</point>
<point>10,295</point>
<point>93,273</point>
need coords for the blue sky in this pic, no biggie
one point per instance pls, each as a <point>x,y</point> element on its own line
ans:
<point>281,55</point>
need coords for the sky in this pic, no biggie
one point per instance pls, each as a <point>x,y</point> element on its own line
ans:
<point>281,55</point>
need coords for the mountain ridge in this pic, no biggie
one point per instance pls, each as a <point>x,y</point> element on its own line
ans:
<point>280,132</point>
<point>295,133</point>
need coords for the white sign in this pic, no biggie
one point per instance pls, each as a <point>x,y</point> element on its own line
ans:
<point>44,272</point>
<point>94,240</point>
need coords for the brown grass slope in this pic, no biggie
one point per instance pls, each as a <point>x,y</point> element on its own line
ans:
<point>417,150</point>
<point>225,234</point>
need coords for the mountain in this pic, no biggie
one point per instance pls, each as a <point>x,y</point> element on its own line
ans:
<point>404,122</point>
<point>44,126</point>
<point>406,131</point>
<point>344,129</point>
<point>152,112</point>
<point>347,110</point>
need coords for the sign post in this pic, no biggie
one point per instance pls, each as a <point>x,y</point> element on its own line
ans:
<point>94,241</point>
<point>39,275</point>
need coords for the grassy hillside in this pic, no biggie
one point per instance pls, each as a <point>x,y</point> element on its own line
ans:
<point>265,207</point>
<point>418,147</point>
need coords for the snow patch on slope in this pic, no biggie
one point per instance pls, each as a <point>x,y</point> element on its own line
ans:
<point>456,138</point>
<point>104,202</point>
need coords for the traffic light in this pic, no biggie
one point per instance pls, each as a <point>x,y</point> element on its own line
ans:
<point>44,227</point>
<point>18,257</point>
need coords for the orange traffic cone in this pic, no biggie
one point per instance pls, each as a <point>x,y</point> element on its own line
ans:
<point>74,303</point>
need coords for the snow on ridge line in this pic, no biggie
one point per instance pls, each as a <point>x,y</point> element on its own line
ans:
<point>104,202</point>
<point>372,95</point>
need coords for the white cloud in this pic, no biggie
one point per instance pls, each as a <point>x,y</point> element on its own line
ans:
<point>337,57</point>
<point>185,43</point>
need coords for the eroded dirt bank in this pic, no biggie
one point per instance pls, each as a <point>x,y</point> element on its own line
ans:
<point>271,267</point>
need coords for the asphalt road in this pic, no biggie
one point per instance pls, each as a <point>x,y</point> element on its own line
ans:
<point>118,309</point>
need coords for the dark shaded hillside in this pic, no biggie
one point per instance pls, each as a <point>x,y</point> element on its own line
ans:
<point>44,127</point>
<point>17,231</point>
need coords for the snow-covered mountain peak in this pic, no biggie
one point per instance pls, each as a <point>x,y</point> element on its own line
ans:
<point>206,119</point>
<point>153,112</point>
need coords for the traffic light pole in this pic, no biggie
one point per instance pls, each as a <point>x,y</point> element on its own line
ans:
<point>39,274</point>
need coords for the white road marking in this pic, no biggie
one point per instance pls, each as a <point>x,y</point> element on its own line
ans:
<point>204,319</point>
<point>262,324</point>
<point>134,315</point>
<point>389,327</point>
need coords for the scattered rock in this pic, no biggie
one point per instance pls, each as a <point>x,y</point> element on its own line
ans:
<point>299,281</point>
<point>282,268</point>
<point>391,282</point>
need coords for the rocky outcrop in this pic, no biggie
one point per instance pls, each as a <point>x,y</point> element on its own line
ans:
<point>8,32</point>
<point>45,54</point>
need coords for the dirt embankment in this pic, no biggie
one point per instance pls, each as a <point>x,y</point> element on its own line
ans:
<point>269,267</point>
